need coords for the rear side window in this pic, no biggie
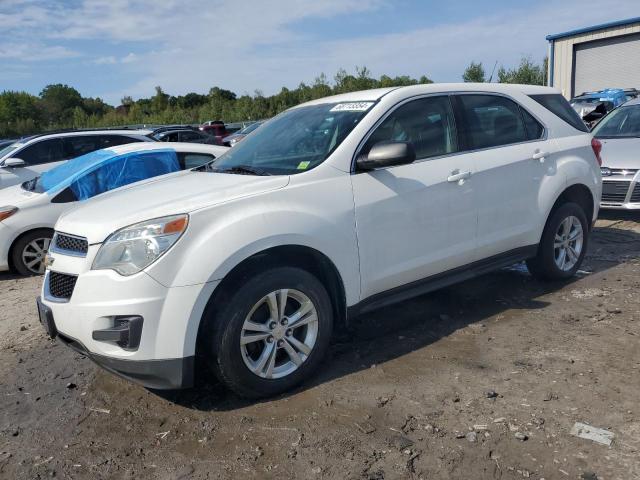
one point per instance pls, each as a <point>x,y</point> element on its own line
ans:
<point>81,145</point>
<point>44,151</point>
<point>534,129</point>
<point>558,105</point>
<point>490,121</point>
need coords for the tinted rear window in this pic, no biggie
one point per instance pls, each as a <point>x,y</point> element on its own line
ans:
<point>491,121</point>
<point>558,105</point>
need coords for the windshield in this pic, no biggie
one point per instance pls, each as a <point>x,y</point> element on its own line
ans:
<point>623,122</point>
<point>295,141</point>
<point>8,149</point>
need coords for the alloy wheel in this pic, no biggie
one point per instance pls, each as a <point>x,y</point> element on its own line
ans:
<point>279,333</point>
<point>34,253</point>
<point>568,242</point>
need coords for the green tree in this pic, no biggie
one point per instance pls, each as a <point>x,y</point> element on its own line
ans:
<point>58,103</point>
<point>474,73</point>
<point>160,101</point>
<point>527,72</point>
<point>63,106</point>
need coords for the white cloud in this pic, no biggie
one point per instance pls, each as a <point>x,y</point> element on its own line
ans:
<point>130,58</point>
<point>109,60</point>
<point>34,52</point>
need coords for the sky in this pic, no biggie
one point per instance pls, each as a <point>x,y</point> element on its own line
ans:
<point>113,48</point>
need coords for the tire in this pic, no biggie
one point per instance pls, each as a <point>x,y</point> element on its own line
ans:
<point>256,298</point>
<point>548,263</point>
<point>31,247</point>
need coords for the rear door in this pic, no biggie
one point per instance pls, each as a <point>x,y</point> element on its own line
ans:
<point>512,156</point>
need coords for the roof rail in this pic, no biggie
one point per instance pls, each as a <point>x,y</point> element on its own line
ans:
<point>71,130</point>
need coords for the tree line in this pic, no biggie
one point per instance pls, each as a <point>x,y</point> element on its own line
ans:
<point>61,106</point>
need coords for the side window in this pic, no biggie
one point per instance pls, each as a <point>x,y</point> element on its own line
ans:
<point>426,123</point>
<point>107,141</point>
<point>490,121</point>
<point>190,137</point>
<point>531,125</point>
<point>559,106</point>
<point>44,151</point>
<point>81,145</point>
<point>193,160</point>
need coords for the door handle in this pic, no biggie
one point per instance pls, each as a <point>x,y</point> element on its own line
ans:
<point>538,155</point>
<point>457,176</point>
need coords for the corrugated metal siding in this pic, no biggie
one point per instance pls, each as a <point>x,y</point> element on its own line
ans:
<point>611,62</point>
<point>563,53</point>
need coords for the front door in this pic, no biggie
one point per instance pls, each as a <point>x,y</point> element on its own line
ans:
<point>415,220</point>
<point>39,157</point>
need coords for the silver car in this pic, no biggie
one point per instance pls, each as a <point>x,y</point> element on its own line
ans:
<point>619,133</point>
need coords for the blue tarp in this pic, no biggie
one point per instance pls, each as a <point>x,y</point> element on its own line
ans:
<point>103,170</point>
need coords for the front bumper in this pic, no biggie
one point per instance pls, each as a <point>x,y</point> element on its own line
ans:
<point>167,374</point>
<point>7,236</point>
<point>164,358</point>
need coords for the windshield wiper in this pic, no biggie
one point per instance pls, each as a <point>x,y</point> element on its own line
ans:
<point>242,170</point>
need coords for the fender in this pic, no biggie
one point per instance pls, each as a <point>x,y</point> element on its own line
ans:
<point>222,236</point>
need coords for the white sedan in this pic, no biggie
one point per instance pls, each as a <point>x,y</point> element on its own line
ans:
<point>28,212</point>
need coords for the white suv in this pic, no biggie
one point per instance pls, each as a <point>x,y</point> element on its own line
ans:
<point>329,210</point>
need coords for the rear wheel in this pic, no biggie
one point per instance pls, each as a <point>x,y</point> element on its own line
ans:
<point>29,252</point>
<point>271,333</point>
<point>563,244</point>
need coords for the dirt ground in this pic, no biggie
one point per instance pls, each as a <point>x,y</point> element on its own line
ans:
<point>481,380</point>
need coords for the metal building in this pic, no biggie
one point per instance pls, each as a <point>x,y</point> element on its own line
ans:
<point>594,58</point>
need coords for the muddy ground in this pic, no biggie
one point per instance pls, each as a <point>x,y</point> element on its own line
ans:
<point>481,380</point>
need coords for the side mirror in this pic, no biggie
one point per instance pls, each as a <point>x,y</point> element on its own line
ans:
<point>387,154</point>
<point>14,163</point>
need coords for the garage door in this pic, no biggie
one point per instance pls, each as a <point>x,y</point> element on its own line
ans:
<point>609,63</point>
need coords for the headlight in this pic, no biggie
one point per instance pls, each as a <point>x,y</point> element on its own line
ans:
<point>6,212</point>
<point>134,248</point>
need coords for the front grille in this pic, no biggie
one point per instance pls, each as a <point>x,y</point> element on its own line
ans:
<point>614,192</point>
<point>70,243</point>
<point>61,285</point>
<point>635,195</point>
<point>625,172</point>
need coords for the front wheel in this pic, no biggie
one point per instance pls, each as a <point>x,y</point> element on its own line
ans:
<point>563,244</point>
<point>271,333</point>
<point>29,252</point>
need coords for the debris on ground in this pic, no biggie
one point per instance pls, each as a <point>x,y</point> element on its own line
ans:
<point>598,435</point>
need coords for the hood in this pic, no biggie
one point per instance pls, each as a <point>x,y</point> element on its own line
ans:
<point>620,152</point>
<point>15,195</point>
<point>172,194</point>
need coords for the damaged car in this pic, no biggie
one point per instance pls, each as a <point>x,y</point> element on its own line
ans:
<point>29,211</point>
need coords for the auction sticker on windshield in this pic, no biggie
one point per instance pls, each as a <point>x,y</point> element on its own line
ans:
<point>352,107</point>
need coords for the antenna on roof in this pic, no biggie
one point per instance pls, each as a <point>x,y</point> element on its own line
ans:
<point>493,71</point>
